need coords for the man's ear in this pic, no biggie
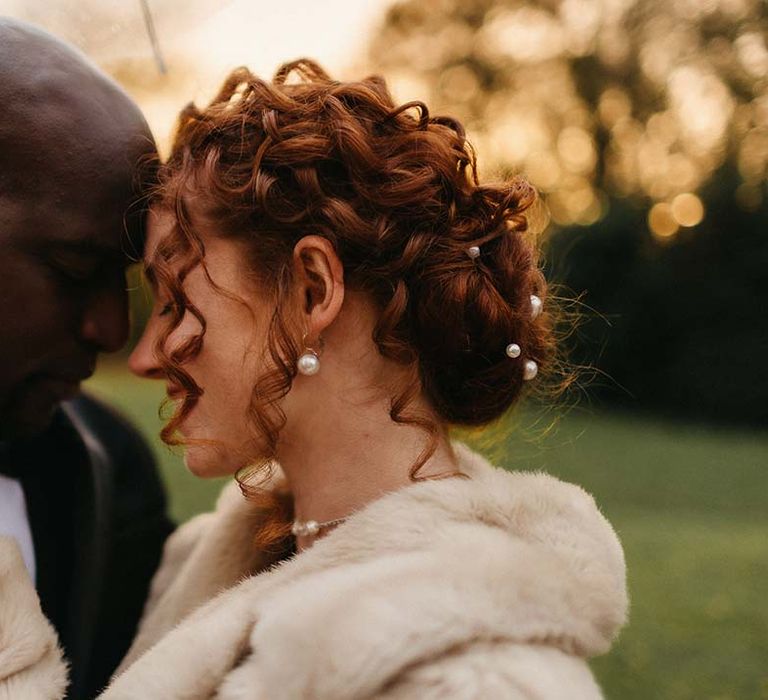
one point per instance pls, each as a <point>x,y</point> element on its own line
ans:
<point>320,278</point>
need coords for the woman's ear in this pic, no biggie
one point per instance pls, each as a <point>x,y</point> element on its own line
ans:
<point>320,278</point>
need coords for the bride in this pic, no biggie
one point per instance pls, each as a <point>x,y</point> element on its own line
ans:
<point>334,290</point>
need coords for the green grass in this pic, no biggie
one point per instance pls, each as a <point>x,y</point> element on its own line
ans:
<point>690,504</point>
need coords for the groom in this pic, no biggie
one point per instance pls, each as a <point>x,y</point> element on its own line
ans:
<point>79,493</point>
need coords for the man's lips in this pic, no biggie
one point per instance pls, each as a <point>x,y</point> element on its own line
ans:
<point>71,372</point>
<point>66,378</point>
<point>66,389</point>
<point>64,383</point>
<point>61,387</point>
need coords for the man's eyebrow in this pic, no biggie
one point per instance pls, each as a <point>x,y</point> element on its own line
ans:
<point>88,247</point>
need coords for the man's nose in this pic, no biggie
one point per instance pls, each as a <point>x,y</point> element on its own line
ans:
<point>105,319</point>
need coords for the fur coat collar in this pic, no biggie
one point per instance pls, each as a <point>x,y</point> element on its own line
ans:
<point>456,588</point>
<point>31,662</point>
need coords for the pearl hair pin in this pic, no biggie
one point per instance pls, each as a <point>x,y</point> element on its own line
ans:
<point>536,306</point>
<point>530,370</point>
<point>473,252</point>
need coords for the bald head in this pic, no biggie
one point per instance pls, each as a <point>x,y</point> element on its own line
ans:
<point>61,115</point>
<point>74,151</point>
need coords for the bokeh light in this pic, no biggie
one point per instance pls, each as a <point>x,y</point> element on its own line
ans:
<point>661,221</point>
<point>687,209</point>
<point>643,99</point>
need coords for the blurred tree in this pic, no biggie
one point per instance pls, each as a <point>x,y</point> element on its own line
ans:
<point>645,123</point>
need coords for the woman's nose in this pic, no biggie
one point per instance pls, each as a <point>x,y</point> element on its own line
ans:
<point>142,361</point>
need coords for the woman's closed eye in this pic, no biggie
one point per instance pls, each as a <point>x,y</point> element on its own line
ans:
<point>165,309</point>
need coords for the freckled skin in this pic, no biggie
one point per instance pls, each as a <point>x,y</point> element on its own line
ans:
<point>71,142</point>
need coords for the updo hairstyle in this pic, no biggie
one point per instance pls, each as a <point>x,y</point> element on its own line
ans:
<point>395,191</point>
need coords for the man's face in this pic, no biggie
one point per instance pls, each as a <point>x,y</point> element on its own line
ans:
<point>63,292</point>
<point>70,145</point>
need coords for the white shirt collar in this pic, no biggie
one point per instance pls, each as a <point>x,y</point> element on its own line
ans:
<point>14,520</point>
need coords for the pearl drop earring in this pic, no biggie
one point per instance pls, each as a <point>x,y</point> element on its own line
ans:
<point>309,363</point>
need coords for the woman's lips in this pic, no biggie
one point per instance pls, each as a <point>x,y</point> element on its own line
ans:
<point>177,394</point>
<point>174,392</point>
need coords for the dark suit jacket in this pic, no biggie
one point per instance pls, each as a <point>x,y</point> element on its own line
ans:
<point>97,512</point>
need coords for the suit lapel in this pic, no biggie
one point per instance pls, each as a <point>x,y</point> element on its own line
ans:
<point>48,466</point>
<point>93,527</point>
<point>66,481</point>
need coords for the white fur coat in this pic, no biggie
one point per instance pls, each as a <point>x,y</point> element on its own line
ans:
<point>498,586</point>
<point>31,665</point>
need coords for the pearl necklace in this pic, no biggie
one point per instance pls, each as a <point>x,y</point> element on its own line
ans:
<point>310,528</point>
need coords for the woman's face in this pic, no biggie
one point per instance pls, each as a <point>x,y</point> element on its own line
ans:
<point>228,364</point>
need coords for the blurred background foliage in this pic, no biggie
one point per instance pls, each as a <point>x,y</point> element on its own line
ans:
<point>644,123</point>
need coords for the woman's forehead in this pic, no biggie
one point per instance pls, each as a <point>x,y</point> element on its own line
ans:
<point>222,256</point>
<point>160,222</point>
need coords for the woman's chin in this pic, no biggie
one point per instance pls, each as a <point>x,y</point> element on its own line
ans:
<point>207,462</point>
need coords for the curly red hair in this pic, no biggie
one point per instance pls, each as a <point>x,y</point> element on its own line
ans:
<point>395,190</point>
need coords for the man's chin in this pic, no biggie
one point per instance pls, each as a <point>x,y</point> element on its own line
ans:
<point>23,425</point>
<point>29,415</point>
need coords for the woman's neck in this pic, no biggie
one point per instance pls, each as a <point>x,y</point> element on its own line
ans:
<point>342,461</point>
<point>340,448</point>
